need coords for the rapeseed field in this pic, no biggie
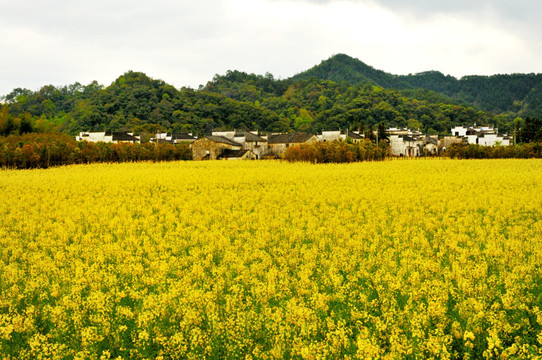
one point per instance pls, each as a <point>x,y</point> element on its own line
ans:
<point>271,260</point>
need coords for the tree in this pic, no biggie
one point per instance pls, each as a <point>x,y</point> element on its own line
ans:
<point>4,121</point>
<point>382,131</point>
<point>370,133</point>
<point>518,122</point>
<point>414,124</point>
<point>532,131</point>
<point>26,123</point>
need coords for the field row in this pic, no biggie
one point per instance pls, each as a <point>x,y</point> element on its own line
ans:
<point>272,260</point>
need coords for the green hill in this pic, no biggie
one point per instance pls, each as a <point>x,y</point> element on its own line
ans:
<point>340,93</point>
<point>515,93</point>
<point>345,68</point>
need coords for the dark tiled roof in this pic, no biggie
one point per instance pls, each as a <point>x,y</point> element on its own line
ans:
<point>182,136</point>
<point>232,153</point>
<point>289,138</point>
<point>223,140</point>
<point>409,138</point>
<point>353,135</point>
<point>431,140</point>
<point>122,136</point>
<point>250,137</point>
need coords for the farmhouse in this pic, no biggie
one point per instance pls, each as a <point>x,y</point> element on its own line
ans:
<point>354,136</point>
<point>334,135</point>
<point>407,145</point>
<point>278,143</point>
<point>485,135</point>
<point>431,145</point>
<point>174,138</point>
<point>210,147</point>
<point>252,142</point>
<point>108,137</point>
<point>123,137</point>
<point>413,143</point>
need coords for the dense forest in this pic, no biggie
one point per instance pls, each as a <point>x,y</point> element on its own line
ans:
<point>520,94</point>
<point>340,93</point>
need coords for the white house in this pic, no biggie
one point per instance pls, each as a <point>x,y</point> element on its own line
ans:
<point>407,145</point>
<point>230,134</point>
<point>90,136</point>
<point>333,135</point>
<point>484,135</point>
<point>404,142</point>
<point>493,139</point>
<point>174,138</point>
<point>108,137</point>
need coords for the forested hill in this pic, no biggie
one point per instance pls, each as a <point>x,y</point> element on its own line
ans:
<point>345,68</point>
<point>516,93</point>
<point>360,99</point>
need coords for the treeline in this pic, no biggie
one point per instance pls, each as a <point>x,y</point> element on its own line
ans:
<point>137,103</point>
<point>475,151</point>
<point>518,94</point>
<point>313,105</point>
<point>134,102</point>
<point>316,105</point>
<point>337,152</point>
<point>46,150</point>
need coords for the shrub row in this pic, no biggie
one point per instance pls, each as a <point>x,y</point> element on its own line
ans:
<point>337,152</point>
<point>45,150</point>
<point>475,151</point>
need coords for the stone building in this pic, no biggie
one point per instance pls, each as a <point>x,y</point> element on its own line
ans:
<point>252,142</point>
<point>278,143</point>
<point>211,147</point>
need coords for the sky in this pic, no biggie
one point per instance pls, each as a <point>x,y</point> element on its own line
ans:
<point>186,43</point>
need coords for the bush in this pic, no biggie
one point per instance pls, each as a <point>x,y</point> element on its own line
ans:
<point>45,150</point>
<point>472,151</point>
<point>337,152</point>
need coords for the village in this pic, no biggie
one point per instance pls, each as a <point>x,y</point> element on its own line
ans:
<point>252,145</point>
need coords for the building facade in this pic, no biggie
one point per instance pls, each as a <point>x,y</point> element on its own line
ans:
<point>211,147</point>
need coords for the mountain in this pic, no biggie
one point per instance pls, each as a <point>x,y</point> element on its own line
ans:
<point>342,67</point>
<point>514,93</point>
<point>340,93</point>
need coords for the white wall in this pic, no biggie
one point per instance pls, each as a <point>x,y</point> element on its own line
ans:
<point>94,137</point>
<point>459,131</point>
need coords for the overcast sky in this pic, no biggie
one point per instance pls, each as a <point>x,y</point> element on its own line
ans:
<point>186,43</point>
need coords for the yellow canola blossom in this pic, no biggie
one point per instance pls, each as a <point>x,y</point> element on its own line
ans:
<point>270,260</point>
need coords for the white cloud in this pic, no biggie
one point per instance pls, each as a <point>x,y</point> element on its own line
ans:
<point>187,42</point>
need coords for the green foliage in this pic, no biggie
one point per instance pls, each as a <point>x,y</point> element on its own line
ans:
<point>337,152</point>
<point>532,131</point>
<point>516,93</point>
<point>342,67</point>
<point>53,149</point>
<point>340,93</point>
<point>475,151</point>
<point>339,105</point>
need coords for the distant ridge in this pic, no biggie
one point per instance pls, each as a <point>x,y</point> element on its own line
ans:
<point>340,93</point>
<point>518,93</point>
<point>342,67</point>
